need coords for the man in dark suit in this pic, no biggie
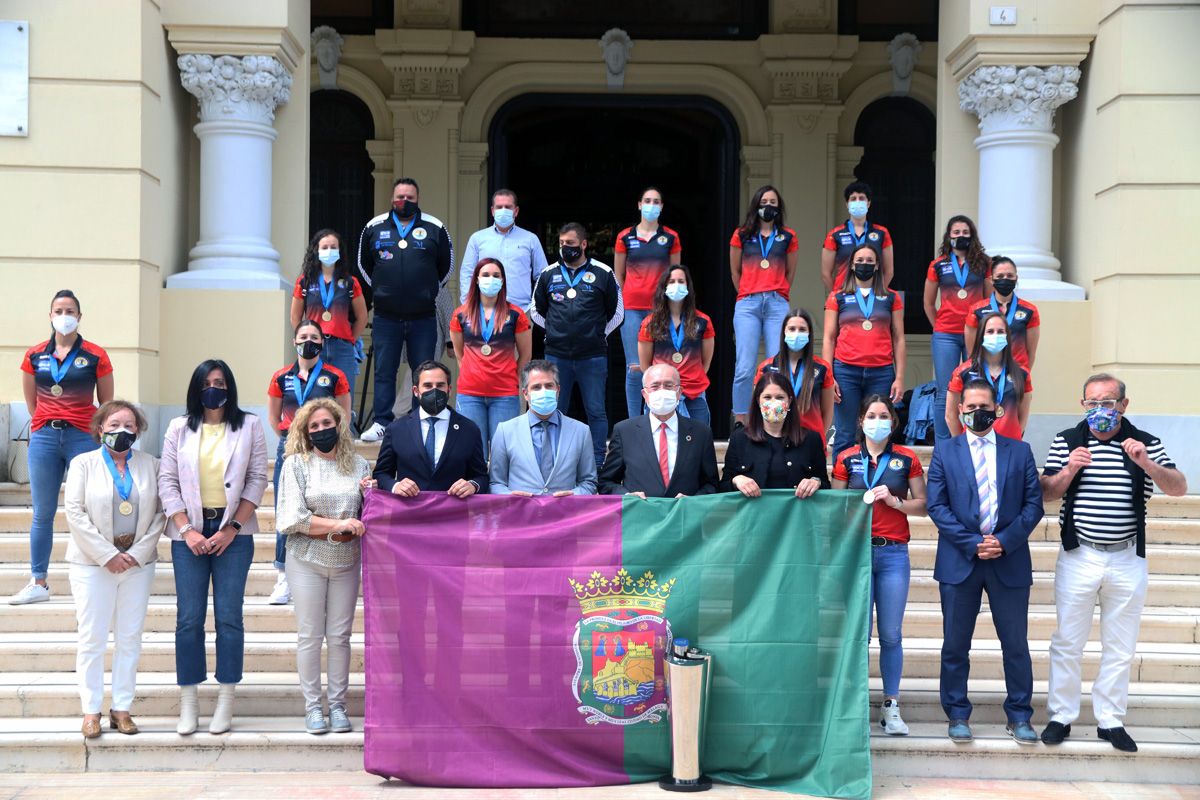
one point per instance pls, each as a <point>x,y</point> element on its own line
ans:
<point>432,448</point>
<point>985,498</point>
<point>660,454</point>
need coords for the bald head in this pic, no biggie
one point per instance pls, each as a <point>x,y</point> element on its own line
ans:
<point>658,375</point>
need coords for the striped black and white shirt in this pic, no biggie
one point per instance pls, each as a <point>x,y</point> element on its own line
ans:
<point>1104,511</point>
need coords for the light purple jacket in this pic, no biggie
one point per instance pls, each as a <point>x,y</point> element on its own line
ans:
<point>179,473</point>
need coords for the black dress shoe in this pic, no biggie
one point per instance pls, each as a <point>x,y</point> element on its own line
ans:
<point>1055,732</point>
<point>1119,739</point>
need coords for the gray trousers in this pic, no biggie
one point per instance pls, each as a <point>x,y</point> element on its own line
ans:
<point>324,599</point>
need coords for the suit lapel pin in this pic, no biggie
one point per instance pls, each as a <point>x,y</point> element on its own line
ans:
<point>687,438</point>
<point>456,426</point>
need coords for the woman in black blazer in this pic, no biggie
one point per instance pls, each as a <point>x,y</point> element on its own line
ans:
<point>773,451</point>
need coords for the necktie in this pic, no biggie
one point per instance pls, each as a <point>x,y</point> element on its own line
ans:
<point>664,464</point>
<point>987,504</point>
<point>546,450</point>
<point>430,441</point>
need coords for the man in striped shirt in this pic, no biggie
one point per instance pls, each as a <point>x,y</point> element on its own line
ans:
<point>1105,470</point>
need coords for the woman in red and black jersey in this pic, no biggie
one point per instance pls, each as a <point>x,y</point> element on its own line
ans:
<point>679,334</point>
<point>992,360</point>
<point>63,378</point>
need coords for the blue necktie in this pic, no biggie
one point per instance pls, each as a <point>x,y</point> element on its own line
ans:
<point>430,441</point>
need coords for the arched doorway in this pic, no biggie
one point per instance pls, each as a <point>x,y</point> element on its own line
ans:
<point>898,137</point>
<point>585,158</point>
<point>341,189</point>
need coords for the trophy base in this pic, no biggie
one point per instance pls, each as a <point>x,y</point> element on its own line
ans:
<point>702,784</point>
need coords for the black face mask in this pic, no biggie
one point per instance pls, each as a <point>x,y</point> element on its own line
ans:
<point>864,272</point>
<point>979,420</point>
<point>119,441</point>
<point>569,253</point>
<point>213,398</point>
<point>1004,286</point>
<point>961,243</point>
<point>406,209</point>
<point>433,402</point>
<point>768,213</point>
<point>325,439</point>
<point>308,349</point>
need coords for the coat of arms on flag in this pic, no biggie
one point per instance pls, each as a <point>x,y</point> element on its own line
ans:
<point>619,644</point>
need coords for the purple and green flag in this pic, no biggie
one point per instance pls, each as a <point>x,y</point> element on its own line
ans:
<point>518,642</point>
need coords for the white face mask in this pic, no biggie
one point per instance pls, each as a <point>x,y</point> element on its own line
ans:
<point>662,401</point>
<point>65,324</point>
<point>676,291</point>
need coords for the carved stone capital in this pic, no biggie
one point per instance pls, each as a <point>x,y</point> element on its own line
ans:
<point>246,88</point>
<point>1024,97</point>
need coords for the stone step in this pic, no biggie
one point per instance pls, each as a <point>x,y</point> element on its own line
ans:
<point>277,694</point>
<point>921,619</point>
<point>53,744</point>
<point>1155,662</point>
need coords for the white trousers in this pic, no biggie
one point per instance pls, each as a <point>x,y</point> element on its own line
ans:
<point>325,599</point>
<point>1118,580</point>
<point>106,602</point>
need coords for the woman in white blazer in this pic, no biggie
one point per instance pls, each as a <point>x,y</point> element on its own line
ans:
<point>213,475</point>
<point>115,519</point>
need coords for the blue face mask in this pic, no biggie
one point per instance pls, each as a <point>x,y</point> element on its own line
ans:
<point>676,291</point>
<point>877,430</point>
<point>543,401</point>
<point>490,285</point>
<point>1103,420</point>
<point>857,208</point>
<point>795,341</point>
<point>995,342</point>
<point>329,256</point>
<point>504,217</point>
<point>650,211</point>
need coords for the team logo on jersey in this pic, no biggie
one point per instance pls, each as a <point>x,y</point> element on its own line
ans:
<point>323,381</point>
<point>661,240</point>
<point>896,463</point>
<point>1021,315</point>
<point>419,234</point>
<point>779,237</point>
<point>873,236</point>
<point>385,234</point>
<point>81,362</point>
<point>589,277</point>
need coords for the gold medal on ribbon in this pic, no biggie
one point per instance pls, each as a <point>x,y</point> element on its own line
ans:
<point>328,315</point>
<point>869,497</point>
<point>486,349</point>
<point>126,508</point>
<point>571,293</point>
<point>765,263</point>
<point>403,244</point>
<point>56,390</point>
<point>677,358</point>
<point>962,294</point>
<point>867,325</point>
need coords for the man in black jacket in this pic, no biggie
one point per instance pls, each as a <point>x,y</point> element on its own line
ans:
<point>578,301</point>
<point>404,258</point>
<point>660,454</point>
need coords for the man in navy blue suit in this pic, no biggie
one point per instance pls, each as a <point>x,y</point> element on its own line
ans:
<point>433,448</point>
<point>985,498</point>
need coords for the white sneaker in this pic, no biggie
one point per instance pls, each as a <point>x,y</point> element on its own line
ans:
<point>890,719</point>
<point>373,433</point>
<point>281,595</point>
<point>33,592</point>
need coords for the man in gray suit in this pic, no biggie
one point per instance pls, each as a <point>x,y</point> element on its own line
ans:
<point>542,451</point>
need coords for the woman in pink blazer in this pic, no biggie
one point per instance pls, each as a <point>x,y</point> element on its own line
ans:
<point>211,479</point>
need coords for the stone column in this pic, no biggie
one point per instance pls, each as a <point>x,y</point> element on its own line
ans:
<point>238,96</point>
<point>1015,106</point>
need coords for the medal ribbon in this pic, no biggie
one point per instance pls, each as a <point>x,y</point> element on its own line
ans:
<point>960,273</point>
<point>403,229</point>
<point>487,325</point>
<point>677,335</point>
<point>997,384</point>
<point>1012,308</point>
<point>858,240</point>
<point>764,249</point>
<point>303,393</point>
<point>124,484</point>
<point>879,470</point>
<point>326,296</point>
<point>866,306</point>
<point>59,371</point>
<point>571,284</point>
<point>797,379</point>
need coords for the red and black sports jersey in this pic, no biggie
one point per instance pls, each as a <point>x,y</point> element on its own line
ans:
<point>645,261</point>
<point>757,278</point>
<point>692,377</point>
<point>811,419</point>
<point>1024,318</point>
<point>860,347</point>
<point>1008,424</point>
<point>902,464</point>
<point>952,309</point>
<point>76,404</point>
<point>344,291</point>
<point>843,241</point>
<point>493,375</point>
<point>331,382</point>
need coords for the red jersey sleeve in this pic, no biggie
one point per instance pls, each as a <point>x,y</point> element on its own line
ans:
<point>830,244</point>
<point>956,380</point>
<point>678,246</point>
<point>831,303</point>
<point>619,244</point>
<point>298,291</point>
<point>758,373</point>
<point>644,331</point>
<point>898,303</point>
<point>709,331</point>
<point>794,244</point>
<point>522,320</point>
<point>972,319</point>
<point>736,239</point>
<point>887,237</point>
<point>27,365</point>
<point>840,473</point>
<point>1035,319</point>
<point>342,386</point>
<point>355,288</point>
<point>931,275</point>
<point>828,382</point>
<point>273,389</point>
<point>455,325</point>
<point>916,470</point>
<point>104,366</point>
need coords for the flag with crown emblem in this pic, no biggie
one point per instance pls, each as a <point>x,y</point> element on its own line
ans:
<point>518,642</point>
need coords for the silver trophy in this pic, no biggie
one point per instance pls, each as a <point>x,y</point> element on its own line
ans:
<point>689,670</point>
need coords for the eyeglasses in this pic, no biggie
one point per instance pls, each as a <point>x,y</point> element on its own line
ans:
<point>1108,405</point>
<point>670,387</point>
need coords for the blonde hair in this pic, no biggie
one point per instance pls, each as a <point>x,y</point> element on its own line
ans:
<point>300,443</point>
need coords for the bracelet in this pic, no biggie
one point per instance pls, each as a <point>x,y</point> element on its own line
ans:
<point>187,528</point>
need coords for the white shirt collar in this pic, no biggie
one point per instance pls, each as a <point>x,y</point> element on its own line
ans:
<point>444,415</point>
<point>672,423</point>
<point>990,436</point>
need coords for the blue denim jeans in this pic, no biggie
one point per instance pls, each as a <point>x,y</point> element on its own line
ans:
<point>633,377</point>
<point>757,318</point>
<point>340,353</point>
<point>280,539</point>
<point>948,350</point>
<point>487,413</point>
<point>390,337</point>
<point>856,383</point>
<point>591,373</point>
<point>228,575</point>
<point>696,409</point>
<point>889,595</point>
<point>50,451</point>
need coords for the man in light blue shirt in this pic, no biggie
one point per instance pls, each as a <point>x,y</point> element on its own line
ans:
<point>519,250</point>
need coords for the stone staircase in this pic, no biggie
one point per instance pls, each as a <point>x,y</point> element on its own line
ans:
<point>39,703</point>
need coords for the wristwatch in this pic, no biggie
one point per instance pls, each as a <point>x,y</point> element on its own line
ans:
<point>237,526</point>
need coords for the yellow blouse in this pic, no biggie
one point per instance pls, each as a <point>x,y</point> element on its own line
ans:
<point>212,465</point>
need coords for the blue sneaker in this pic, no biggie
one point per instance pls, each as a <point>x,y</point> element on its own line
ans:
<point>960,731</point>
<point>1023,732</point>
<point>339,722</point>
<point>314,722</point>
